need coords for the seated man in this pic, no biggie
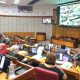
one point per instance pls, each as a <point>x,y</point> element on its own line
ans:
<point>50,65</point>
<point>62,49</point>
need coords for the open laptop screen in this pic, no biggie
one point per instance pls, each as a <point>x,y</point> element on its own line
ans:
<point>66,58</point>
<point>34,50</point>
<point>63,57</point>
<point>4,63</point>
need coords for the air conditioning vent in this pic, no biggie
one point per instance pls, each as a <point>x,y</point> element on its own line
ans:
<point>25,8</point>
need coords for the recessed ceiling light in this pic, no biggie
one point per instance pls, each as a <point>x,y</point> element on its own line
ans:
<point>16,1</point>
<point>2,2</point>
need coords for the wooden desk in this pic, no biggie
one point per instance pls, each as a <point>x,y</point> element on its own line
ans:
<point>68,43</point>
<point>40,36</point>
<point>72,71</point>
<point>27,75</point>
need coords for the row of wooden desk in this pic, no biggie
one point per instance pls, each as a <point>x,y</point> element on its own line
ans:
<point>72,71</point>
<point>27,75</point>
<point>68,43</point>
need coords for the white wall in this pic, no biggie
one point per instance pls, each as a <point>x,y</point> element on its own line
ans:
<point>25,24</point>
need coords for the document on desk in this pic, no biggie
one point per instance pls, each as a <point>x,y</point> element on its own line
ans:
<point>11,76</point>
<point>37,57</point>
<point>66,65</point>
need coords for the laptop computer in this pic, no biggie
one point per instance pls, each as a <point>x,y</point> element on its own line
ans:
<point>4,63</point>
<point>38,56</point>
<point>61,58</point>
<point>32,51</point>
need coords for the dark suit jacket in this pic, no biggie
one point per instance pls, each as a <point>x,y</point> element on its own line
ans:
<point>59,50</point>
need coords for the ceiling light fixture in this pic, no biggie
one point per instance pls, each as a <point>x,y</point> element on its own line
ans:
<point>2,2</point>
<point>16,1</point>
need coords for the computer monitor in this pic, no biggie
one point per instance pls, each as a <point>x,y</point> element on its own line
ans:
<point>34,50</point>
<point>59,56</point>
<point>63,57</point>
<point>4,63</point>
<point>66,58</point>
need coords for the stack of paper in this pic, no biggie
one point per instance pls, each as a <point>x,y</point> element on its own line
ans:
<point>66,65</point>
<point>37,57</point>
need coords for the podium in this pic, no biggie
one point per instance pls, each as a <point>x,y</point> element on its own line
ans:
<point>40,36</point>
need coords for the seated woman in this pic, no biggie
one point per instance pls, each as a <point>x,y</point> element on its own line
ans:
<point>50,65</point>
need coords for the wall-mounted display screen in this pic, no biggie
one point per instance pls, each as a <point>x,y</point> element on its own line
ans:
<point>47,20</point>
<point>69,14</point>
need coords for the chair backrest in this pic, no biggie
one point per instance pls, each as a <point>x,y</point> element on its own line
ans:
<point>43,74</point>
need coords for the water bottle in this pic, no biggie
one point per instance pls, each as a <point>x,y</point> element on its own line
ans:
<point>11,70</point>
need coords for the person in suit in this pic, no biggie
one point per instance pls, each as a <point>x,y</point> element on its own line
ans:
<point>50,65</point>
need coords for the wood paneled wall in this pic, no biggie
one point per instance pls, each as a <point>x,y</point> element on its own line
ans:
<point>10,23</point>
<point>64,31</point>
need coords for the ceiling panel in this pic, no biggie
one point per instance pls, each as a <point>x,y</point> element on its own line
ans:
<point>40,2</point>
<point>54,1</point>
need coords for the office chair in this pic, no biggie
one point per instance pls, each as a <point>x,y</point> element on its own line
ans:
<point>3,48</point>
<point>43,74</point>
